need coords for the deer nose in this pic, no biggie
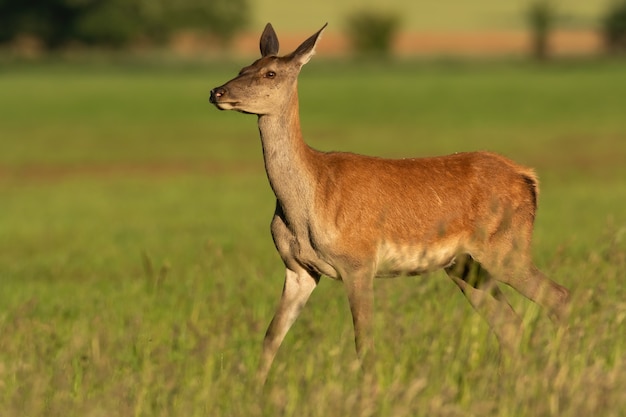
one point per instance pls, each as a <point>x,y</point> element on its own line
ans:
<point>216,93</point>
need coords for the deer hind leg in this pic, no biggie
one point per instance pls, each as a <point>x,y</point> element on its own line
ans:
<point>484,295</point>
<point>529,281</point>
<point>297,289</point>
<point>507,255</point>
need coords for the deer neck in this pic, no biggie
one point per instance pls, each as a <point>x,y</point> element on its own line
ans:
<point>287,157</point>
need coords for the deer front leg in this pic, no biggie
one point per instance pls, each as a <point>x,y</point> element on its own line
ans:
<point>298,287</point>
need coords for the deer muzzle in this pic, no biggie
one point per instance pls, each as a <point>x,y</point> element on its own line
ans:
<point>216,95</point>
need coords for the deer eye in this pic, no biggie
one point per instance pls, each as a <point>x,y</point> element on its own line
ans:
<point>270,74</point>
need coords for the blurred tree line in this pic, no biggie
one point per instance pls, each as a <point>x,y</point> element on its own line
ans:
<point>372,31</point>
<point>116,23</point>
<point>543,17</point>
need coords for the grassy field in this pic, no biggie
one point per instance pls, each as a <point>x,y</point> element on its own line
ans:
<point>138,274</point>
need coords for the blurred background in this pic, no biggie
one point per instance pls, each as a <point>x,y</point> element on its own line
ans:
<point>30,28</point>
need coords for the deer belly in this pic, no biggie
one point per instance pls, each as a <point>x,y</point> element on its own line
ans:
<point>397,260</point>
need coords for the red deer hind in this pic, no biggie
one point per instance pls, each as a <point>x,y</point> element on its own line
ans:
<point>355,218</point>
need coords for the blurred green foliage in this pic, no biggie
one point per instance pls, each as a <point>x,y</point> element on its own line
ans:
<point>614,27</point>
<point>372,32</point>
<point>541,17</point>
<point>117,22</point>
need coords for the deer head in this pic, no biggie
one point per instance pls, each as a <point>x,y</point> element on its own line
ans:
<point>266,86</point>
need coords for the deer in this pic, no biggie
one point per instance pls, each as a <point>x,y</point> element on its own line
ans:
<point>354,218</point>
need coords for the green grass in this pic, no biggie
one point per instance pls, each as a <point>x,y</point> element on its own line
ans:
<point>138,274</point>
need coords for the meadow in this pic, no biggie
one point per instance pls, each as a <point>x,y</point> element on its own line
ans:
<point>138,275</point>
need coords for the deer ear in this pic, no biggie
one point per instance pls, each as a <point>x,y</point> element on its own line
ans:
<point>306,50</point>
<point>269,41</point>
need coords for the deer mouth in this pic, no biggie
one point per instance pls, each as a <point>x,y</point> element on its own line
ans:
<point>225,105</point>
<point>230,105</point>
